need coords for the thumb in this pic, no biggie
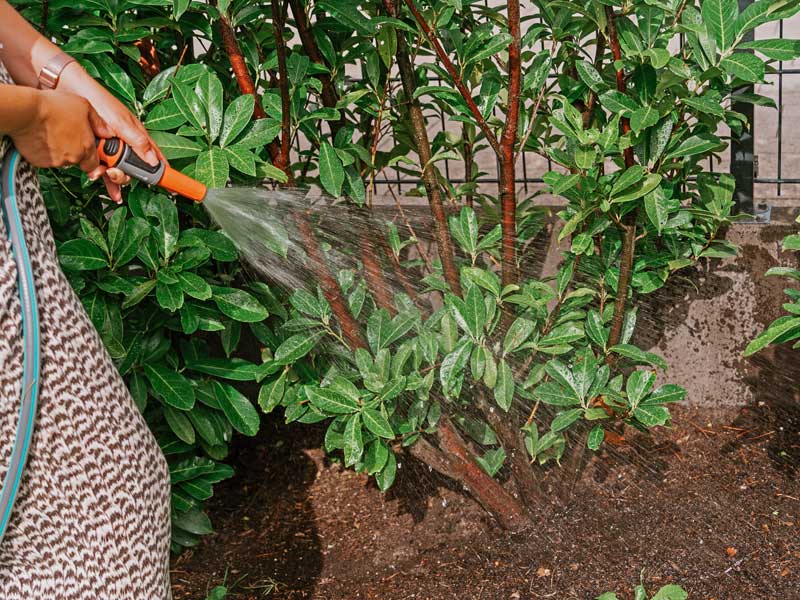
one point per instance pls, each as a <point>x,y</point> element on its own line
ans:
<point>99,126</point>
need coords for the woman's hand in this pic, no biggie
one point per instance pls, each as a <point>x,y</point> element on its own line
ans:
<point>117,121</point>
<point>61,132</point>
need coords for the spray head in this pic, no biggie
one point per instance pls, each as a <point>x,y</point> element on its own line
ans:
<point>113,152</point>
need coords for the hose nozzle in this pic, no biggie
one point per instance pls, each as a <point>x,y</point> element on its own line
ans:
<point>115,153</point>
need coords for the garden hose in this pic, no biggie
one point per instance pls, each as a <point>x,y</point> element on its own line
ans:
<point>113,152</point>
<point>30,341</point>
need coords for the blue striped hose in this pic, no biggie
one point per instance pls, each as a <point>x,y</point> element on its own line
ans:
<point>30,337</point>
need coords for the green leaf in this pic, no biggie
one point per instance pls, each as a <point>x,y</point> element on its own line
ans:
<point>353,441</point>
<point>671,592</point>
<point>190,105</point>
<point>272,393</point>
<point>237,116</point>
<point>237,408</point>
<point>331,170</point>
<point>638,385</point>
<point>165,116</point>
<point>375,456</point>
<point>81,255</point>
<point>209,92</point>
<point>195,521</point>
<point>639,356</point>
<point>666,393</point>
<point>193,285</point>
<point>347,13</point>
<point>235,369</point>
<point>520,330</point>
<point>651,415</point>
<point>720,19</point>
<point>504,389</point>
<point>776,49</point>
<point>595,330</point>
<point>259,133</point>
<point>692,146</point>
<point>212,168</point>
<point>295,348</point>
<point>377,423</point>
<point>656,205</point>
<point>630,176</point>
<point>589,75</point>
<point>645,117</point>
<point>474,311</point>
<point>745,66</point>
<point>139,293</point>
<point>241,159</point>
<point>564,419</point>
<point>646,185</point>
<point>180,424</point>
<point>492,460</point>
<point>238,304</point>
<point>385,478</point>
<point>169,296</point>
<point>552,393</point>
<point>776,330</point>
<point>595,438</point>
<point>174,146</point>
<point>170,386</point>
<point>330,401</point>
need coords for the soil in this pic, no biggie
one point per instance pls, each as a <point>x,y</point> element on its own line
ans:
<point>712,504</point>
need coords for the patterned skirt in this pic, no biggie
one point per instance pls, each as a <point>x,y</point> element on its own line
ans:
<point>92,517</point>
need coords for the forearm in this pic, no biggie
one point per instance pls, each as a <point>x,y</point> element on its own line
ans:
<point>19,108</point>
<point>24,51</point>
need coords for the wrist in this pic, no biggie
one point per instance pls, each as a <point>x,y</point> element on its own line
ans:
<point>75,80</point>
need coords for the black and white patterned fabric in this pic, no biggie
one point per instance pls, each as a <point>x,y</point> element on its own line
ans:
<point>92,518</point>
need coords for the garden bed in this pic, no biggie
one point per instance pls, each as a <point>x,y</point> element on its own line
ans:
<point>712,504</point>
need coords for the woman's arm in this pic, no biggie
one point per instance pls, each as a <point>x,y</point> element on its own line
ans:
<point>49,128</point>
<point>18,107</point>
<point>24,51</point>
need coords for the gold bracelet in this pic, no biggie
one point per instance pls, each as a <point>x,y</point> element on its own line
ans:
<point>51,72</point>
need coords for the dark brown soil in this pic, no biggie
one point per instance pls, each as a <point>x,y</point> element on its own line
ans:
<point>712,504</point>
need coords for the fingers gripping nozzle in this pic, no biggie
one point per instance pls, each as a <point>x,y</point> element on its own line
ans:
<point>115,153</point>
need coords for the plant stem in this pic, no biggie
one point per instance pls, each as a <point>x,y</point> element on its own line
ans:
<point>508,196</point>
<point>451,70</point>
<point>459,465</point>
<point>628,225</point>
<point>309,42</point>
<point>278,23</point>
<point>444,243</point>
<point>245,81</point>
<point>373,273</point>
<point>327,282</point>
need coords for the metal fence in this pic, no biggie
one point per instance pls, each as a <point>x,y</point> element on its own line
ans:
<point>765,160</point>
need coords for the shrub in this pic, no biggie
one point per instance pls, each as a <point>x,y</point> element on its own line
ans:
<point>483,364</point>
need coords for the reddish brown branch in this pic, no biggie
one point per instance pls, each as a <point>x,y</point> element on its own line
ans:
<point>373,274</point>
<point>444,243</point>
<point>327,282</point>
<point>457,81</point>
<point>245,81</point>
<point>329,96</point>
<point>148,57</point>
<point>508,196</point>
<point>278,23</point>
<point>616,52</point>
<point>488,491</point>
<point>628,226</point>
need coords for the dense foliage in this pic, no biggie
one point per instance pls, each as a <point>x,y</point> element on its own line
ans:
<point>484,367</point>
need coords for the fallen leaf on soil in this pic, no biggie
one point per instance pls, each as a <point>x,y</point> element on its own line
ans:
<point>731,551</point>
<point>542,572</point>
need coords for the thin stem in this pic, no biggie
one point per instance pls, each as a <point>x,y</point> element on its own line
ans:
<point>457,81</point>
<point>278,22</point>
